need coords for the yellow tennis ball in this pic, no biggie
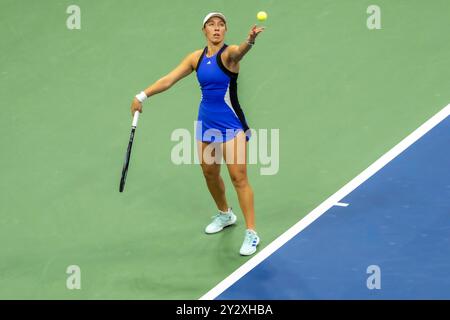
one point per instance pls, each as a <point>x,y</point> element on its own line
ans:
<point>261,16</point>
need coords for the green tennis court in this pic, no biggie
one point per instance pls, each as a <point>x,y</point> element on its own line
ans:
<point>340,94</point>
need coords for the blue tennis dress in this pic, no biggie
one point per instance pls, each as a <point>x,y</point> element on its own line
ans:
<point>220,116</point>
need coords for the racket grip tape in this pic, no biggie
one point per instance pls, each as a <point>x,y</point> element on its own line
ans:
<point>135,119</point>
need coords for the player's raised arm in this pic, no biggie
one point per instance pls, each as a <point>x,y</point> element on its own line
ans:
<point>238,52</point>
<point>182,70</point>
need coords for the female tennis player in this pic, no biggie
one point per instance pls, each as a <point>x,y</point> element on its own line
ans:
<point>222,129</point>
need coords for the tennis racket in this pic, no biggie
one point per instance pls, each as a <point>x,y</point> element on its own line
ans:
<point>128,154</point>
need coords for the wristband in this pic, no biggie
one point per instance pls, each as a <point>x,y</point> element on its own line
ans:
<point>141,96</point>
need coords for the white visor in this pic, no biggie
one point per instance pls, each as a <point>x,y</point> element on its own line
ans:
<point>214,14</point>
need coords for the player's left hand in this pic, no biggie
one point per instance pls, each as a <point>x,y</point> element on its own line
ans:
<point>254,31</point>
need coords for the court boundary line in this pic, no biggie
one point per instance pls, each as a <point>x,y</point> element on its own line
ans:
<point>327,204</point>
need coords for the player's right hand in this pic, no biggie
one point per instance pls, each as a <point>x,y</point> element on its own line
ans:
<point>136,105</point>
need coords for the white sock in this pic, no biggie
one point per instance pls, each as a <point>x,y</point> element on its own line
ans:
<point>225,212</point>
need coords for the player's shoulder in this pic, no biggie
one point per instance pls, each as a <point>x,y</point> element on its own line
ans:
<point>230,49</point>
<point>195,55</point>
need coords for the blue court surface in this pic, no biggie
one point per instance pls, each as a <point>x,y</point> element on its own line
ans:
<point>392,241</point>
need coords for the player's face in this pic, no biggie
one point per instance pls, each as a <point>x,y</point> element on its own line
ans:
<point>215,29</point>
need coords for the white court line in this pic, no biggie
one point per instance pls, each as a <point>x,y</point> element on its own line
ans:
<point>341,204</point>
<point>327,204</point>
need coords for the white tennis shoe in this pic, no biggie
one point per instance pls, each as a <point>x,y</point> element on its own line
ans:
<point>250,243</point>
<point>220,221</point>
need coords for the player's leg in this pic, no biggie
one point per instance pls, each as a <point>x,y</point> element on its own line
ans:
<point>210,160</point>
<point>211,172</point>
<point>235,154</point>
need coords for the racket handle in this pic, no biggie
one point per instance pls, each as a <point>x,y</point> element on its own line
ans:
<point>135,119</point>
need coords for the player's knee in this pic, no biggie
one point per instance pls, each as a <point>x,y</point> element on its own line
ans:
<point>239,180</point>
<point>210,175</point>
